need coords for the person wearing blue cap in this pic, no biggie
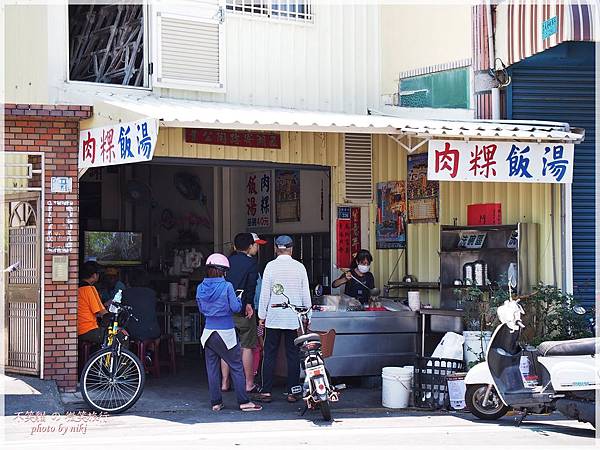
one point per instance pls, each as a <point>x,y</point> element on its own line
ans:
<point>280,322</point>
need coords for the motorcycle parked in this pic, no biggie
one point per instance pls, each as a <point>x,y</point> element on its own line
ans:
<point>565,377</point>
<point>317,390</point>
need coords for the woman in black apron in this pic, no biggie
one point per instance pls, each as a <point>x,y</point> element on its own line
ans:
<point>359,270</point>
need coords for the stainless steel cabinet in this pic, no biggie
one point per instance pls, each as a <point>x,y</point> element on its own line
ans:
<point>498,252</point>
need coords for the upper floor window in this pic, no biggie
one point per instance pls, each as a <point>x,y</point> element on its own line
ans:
<point>107,44</point>
<point>275,9</point>
<point>444,89</point>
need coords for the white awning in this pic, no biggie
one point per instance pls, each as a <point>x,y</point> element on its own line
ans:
<point>198,114</point>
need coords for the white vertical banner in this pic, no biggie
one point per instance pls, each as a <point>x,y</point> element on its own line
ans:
<point>123,143</point>
<point>258,199</point>
<point>513,162</point>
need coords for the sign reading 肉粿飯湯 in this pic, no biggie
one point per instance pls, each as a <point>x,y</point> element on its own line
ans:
<point>124,143</point>
<point>516,162</point>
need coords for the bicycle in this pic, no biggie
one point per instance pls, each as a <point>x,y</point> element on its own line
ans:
<point>113,378</point>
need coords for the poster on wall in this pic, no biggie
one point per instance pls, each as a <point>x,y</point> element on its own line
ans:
<point>124,143</point>
<point>347,235</point>
<point>391,214</point>
<point>516,162</point>
<point>258,200</point>
<point>422,194</point>
<point>287,195</point>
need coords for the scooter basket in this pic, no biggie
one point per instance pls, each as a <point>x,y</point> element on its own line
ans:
<point>327,342</point>
<point>430,386</point>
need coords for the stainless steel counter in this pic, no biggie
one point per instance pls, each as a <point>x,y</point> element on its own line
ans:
<point>367,341</point>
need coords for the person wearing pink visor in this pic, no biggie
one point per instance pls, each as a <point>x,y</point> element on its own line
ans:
<point>217,302</point>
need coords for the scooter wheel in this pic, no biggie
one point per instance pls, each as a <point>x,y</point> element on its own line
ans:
<point>474,399</point>
<point>325,410</point>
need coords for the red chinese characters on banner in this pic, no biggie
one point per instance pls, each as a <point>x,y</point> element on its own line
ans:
<point>355,230</point>
<point>347,235</point>
<point>447,159</point>
<point>89,148</point>
<point>482,160</point>
<point>484,214</point>
<point>343,232</point>
<point>233,138</point>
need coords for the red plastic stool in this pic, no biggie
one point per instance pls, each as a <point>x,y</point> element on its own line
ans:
<point>141,347</point>
<point>170,353</point>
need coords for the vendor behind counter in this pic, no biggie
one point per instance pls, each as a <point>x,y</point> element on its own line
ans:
<point>359,270</point>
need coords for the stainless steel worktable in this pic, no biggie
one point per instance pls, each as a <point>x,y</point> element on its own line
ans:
<point>367,341</point>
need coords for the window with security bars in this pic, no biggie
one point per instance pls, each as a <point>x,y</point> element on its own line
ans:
<point>284,9</point>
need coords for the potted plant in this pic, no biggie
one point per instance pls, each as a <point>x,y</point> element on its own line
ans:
<point>549,316</point>
<point>479,304</point>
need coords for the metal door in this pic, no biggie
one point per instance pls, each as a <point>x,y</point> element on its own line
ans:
<point>23,244</point>
<point>559,85</point>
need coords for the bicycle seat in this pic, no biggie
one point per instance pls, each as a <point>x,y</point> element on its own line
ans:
<point>310,337</point>
<point>576,347</point>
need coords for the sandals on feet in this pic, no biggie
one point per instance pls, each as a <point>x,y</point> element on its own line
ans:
<point>219,407</point>
<point>255,390</point>
<point>249,407</point>
<point>264,398</point>
<point>291,398</point>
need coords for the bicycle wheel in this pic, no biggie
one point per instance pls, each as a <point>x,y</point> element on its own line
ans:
<point>112,381</point>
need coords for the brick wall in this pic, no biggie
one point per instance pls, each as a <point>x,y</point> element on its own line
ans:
<point>54,130</point>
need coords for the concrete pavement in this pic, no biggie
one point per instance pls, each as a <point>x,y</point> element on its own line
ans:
<point>171,414</point>
<point>350,429</point>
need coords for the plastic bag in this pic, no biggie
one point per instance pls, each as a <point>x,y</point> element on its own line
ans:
<point>450,347</point>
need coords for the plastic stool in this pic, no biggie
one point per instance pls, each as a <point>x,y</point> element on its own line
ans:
<point>170,353</point>
<point>141,347</point>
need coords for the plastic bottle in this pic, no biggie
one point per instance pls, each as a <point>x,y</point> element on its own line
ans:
<point>116,301</point>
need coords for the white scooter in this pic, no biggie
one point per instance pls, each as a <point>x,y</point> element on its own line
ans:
<point>567,378</point>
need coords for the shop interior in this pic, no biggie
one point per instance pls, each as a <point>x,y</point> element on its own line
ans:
<point>166,218</point>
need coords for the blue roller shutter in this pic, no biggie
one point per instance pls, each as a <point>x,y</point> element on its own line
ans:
<point>558,85</point>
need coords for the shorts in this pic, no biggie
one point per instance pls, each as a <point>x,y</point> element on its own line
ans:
<point>246,330</point>
<point>96,336</point>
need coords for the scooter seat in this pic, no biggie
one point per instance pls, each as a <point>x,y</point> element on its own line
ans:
<point>307,338</point>
<point>577,347</point>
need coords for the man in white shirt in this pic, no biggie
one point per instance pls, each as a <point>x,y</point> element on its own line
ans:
<point>280,322</point>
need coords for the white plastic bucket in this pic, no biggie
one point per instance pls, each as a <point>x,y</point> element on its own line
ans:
<point>475,345</point>
<point>396,386</point>
<point>412,384</point>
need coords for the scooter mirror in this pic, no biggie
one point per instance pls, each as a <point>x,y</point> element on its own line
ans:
<point>278,289</point>
<point>579,310</point>
<point>318,290</point>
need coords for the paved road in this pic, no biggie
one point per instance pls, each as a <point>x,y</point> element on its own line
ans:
<point>375,428</point>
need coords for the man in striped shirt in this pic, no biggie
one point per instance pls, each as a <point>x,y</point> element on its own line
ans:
<point>280,322</point>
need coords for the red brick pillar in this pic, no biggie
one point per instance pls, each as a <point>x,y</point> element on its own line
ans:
<point>54,131</point>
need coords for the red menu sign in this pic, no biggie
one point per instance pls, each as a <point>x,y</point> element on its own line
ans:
<point>347,234</point>
<point>484,214</point>
<point>234,138</point>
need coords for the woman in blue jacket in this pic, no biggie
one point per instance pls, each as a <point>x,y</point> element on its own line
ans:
<point>217,301</point>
